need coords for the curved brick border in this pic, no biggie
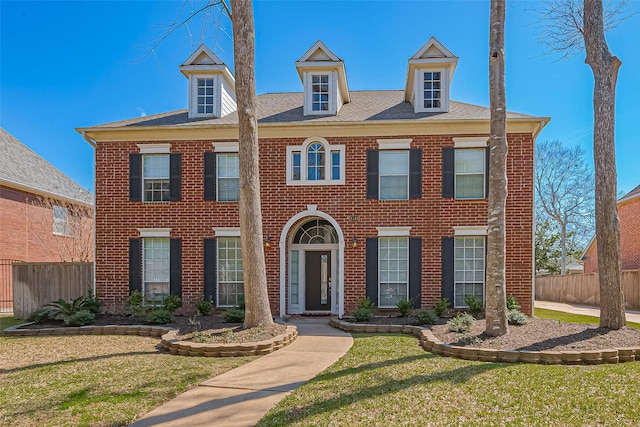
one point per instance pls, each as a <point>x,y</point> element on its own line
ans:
<point>168,338</point>
<point>430,343</point>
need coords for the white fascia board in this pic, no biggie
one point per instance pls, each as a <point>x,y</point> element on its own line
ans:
<point>226,231</point>
<point>154,232</point>
<point>393,231</point>
<point>154,148</point>
<point>470,230</point>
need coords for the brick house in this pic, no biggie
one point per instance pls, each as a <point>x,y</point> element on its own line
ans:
<point>629,214</point>
<point>377,193</point>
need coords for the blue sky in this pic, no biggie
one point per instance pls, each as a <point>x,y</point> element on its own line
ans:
<point>68,64</point>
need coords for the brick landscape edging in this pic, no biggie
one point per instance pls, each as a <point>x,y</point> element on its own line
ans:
<point>430,343</point>
<point>168,339</point>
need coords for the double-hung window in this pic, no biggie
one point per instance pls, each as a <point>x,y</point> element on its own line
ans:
<point>155,177</point>
<point>469,264</point>
<point>228,177</point>
<point>319,92</point>
<point>155,269</point>
<point>432,89</point>
<point>204,99</point>
<point>470,173</point>
<point>230,272</point>
<point>393,270</point>
<point>394,175</point>
<point>315,162</point>
<point>61,221</point>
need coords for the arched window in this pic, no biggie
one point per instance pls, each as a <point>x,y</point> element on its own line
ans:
<point>315,162</point>
<point>318,231</point>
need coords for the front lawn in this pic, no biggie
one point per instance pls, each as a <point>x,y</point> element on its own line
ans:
<point>387,380</point>
<point>544,313</point>
<point>92,380</point>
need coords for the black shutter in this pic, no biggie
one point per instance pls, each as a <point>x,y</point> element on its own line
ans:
<point>415,270</point>
<point>175,267</point>
<point>447,268</point>
<point>371,277</point>
<point>135,177</point>
<point>210,176</point>
<point>135,265</point>
<point>372,173</point>
<point>486,177</point>
<point>448,171</point>
<point>174,176</point>
<point>210,267</point>
<point>415,173</point>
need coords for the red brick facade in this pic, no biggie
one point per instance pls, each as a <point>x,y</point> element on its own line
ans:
<point>192,219</point>
<point>629,214</point>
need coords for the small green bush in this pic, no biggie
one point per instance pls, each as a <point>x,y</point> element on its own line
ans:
<point>171,303</point>
<point>404,305</point>
<point>461,323</point>
<point>79,318</point>
<point>516,317</point>
<point>204,306</point>
<point>365,303</point>
<point>512,303</point>
<point>425,318</point>
<point>474,304</point>
<point>135,305</point>
<point>159,316</point>
<point>234,315</point>
<point>441,306</point>
<point>41,315</point>
<point>92,303</point>
<point>362,314</point>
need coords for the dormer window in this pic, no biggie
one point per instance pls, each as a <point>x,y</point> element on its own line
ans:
<point>205,95</point>
<point>432,89</point>
<point>320,92</point>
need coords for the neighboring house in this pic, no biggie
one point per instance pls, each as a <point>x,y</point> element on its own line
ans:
<point>364,193</point>
<point>44,215</point>
<point>629,214</point>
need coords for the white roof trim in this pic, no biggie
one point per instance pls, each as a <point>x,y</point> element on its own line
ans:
<point>154,232</point>
<point>154,148</point>
<point>470,230</point>
<point>226,147</point>
<point>226,231</point>
<point>393,231</point>
<point>323,47</point>
<point>394,144</point>
<point>202,48</point>
<point>433,42</point>
<point>471,141</point>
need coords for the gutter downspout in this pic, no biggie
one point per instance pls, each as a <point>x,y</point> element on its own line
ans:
<point>93,144</point>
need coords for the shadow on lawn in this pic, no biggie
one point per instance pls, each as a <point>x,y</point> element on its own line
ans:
<point>565,339</point>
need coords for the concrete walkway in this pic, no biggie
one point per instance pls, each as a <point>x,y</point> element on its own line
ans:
<point>242,396</point>
<point>632,316</point>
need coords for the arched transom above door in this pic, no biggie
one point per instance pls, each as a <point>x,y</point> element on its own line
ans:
<point>316,231</point>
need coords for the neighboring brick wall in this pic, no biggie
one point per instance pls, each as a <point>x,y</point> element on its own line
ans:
<point>193,219</point>
<point>26,226</point>
<point>629,214</point>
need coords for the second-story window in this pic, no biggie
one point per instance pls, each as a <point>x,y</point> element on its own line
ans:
<point>315,162</point>
<point>320,92</point>
<point>228,177</point>
<point>394,175</point>
<point>470,173</point>
<point>205,96</point>
<point>432,89</point>
<point>155,177</point>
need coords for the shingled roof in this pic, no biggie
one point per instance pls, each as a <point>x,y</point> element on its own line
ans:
<point>630,195</point>
<point>22,168</point>
<point>286,108</point>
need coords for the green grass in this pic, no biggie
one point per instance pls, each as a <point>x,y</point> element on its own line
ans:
<point>93,380</point>
<point>387,380</point>
<point>544,313</point>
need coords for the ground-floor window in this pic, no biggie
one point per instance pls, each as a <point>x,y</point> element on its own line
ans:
<point>230,276</point>
<point>393,270</point>
<point>469,269</point>
<point>155,269</point>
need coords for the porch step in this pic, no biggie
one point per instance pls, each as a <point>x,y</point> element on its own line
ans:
<point>316,313</point>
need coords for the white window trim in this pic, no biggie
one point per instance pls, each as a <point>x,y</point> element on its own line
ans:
<point>419,92</point>
<point>193,95</point>
<point>154,232</point>
<point>226,231</point>
<point>484,279</point>
<point>308,93</point>
<point>470,230</point>
<point>153,151</point>
<point>394,144</point>
<point>226,150</point>
<point>408,257</point>
<point>222,230</point>
<point>408,175</point>
<point>471,142</point>
<point>393,231</point>
<point>484,176</point>
<point>154,148</point>
<point>65,224</point>
<point>226,147</point>
<point>302,149</point>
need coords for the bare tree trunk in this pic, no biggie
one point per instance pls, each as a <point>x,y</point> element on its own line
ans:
<point>605,72</point>
<point>258,312</point>
<point>496,305</point>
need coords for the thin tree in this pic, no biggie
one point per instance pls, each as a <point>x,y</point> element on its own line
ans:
<point>564,192</point>
<point>574,26</point>
<point>496,304</point>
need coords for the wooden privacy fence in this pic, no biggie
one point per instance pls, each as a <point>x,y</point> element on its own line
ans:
<point>36,284</point>
<point>585,289</point>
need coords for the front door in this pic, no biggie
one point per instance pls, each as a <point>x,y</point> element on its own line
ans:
<point>318,280</point>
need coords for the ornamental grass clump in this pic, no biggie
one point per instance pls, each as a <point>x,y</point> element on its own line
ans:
<point>461,323</point>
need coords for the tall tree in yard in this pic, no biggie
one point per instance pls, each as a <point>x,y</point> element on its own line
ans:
<point>571,27</point>
<point>258,312</point>
<point>496,305</point>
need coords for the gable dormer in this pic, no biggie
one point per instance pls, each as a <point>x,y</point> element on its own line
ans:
<point>324,79</point>
<point>429,77</point>
<point>211,85</point>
